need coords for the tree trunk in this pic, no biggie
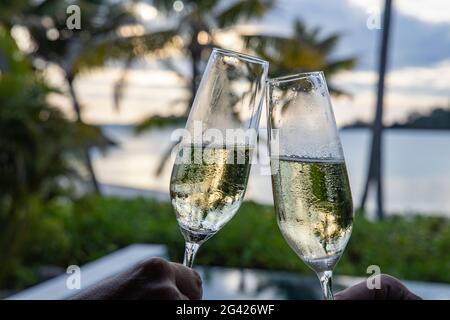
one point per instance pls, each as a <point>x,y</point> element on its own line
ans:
<point>195,50</point>
<point>374,174</point>
<point>4,67</point>
<point>87,157</point>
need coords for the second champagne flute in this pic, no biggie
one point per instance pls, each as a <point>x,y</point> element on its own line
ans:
<point>211,169</point>
<point>310,183</point>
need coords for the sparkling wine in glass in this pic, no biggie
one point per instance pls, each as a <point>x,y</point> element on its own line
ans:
<point>310,184</point>
<point>212,166</point>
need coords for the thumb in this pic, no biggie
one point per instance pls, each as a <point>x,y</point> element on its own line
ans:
<point>390,289</point>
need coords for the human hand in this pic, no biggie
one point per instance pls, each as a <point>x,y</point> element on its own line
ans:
<point>154,278</point>
<point>391,289</point>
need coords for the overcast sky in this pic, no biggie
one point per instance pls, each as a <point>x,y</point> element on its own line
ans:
<point>419,68</point>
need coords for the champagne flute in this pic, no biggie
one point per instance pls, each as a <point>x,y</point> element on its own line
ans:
<point>310,184</point>
<point>211,169</point>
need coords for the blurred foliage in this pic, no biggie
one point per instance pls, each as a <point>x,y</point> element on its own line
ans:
<point>9,8</point>
<point>36,137</point>
<point>102,35</point>
<point>160,122</point>
<point>305,51</point>
<point>108,31</point>
<point>413,247</point>
<point>195,28</point>
<point>437,119</point>
<point>39,148</point>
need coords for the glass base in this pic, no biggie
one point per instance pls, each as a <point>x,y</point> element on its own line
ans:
<point>196,236</point>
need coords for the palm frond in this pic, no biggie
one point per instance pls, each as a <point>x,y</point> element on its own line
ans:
<point>119,86</point>
<point>158,121</point>
<point>304,51</point>
<point>333,67</point>
<point>97,53</point>
<point>166,6</point>
<point>242,9</point>
<point>328,44</point>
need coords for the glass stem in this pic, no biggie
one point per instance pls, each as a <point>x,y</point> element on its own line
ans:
<point>189,253</point>
<point>325,282</point>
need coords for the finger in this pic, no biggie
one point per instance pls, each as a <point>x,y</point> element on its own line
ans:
<point>393,289</point>
<point>163,291</point>
<point>188,281</point>
<point>390,289</point>
<point>155,269</point>
<point>356,292</point>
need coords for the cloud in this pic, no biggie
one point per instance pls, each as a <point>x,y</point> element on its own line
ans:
<point>430,11</point>
<point>419,68</point>
<point>413,89</point>
<point>415,41</point>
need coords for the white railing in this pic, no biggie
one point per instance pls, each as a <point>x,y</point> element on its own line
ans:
<point>92,273</point>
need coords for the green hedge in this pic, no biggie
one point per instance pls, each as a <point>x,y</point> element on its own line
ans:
<point>63,232</point>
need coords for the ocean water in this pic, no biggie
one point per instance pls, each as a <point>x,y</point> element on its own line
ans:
<point>416,167</point>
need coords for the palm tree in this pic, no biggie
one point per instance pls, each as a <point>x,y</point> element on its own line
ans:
<point>196,23</point>
<point>374,172</point>
<point>306,50</point>
<point>39,149</point>
<point>100,40</point>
